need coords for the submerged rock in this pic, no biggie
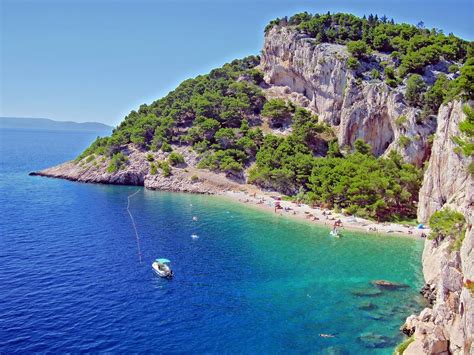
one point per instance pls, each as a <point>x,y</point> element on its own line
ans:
<point>367,306</point>
<point>388,285</point>
<point>366,292</point>
<point>375,341</point>
<point>334,350</point>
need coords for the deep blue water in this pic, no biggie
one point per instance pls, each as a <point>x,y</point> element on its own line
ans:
<point>71,278</point>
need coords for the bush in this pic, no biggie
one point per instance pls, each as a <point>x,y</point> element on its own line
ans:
<point>150,157</point>
<point>453,68</point>
<point>375,74</point>
<point>90,158</point>
<point>415,89</point>
<point>166,147</point>
<point>165,167</point>
<point>358,49</point>
<point>447,223</point>
<point>194,178</point>
<point>153,169</point>
<point>400,349</point>
<point>466,141</point>
<point>401,120</point>
<point>175,158</point>
<point>118,162</point>
<point>278,111</point>
<point>404,141</point>
<point>352,63</point>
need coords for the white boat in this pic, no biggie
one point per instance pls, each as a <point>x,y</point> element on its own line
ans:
<point>162,269</point>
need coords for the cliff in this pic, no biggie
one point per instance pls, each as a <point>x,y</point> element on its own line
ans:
<point>316,76</point>
<point>449,324</point>
<point>319,76</point>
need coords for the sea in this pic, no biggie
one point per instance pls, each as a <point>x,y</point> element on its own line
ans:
<point>74,276</point>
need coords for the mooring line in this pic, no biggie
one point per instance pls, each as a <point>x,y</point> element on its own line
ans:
<point>134,226</point>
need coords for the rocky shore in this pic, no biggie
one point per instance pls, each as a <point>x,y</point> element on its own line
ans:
<point>187,178</point>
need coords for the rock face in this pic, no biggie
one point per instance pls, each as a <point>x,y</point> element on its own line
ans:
<point>446,181</point>
<point>449,325</point>
<point>316,76</point>
<point>185,178</point>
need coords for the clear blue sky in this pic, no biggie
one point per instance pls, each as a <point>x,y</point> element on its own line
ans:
<point>87,60</point>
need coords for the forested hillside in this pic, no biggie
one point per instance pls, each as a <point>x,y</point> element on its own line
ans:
<point>236,127</point>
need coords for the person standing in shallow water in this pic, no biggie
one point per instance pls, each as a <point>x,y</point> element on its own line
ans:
<point>337,223</point>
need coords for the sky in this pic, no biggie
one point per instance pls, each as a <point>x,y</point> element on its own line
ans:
<point>85,60</point>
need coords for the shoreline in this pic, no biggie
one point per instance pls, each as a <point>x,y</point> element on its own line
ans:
<point>218,185</point>
<point>319,216</point>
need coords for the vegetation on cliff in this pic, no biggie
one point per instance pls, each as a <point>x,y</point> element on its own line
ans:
<point>225,117</point>
<point>448,223</point>
<point>411,49</point>
<point>465,142</point>
<point>414,47</point>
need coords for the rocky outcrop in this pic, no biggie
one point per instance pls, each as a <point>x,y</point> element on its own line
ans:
<point>446,181</point>
<point>316,76</point>
<point>185,178</point>
<point>449,325</point>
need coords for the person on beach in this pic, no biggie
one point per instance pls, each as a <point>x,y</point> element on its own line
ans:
<point>337,223</point>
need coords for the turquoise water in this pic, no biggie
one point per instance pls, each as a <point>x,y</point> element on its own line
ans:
<point>72,278</point>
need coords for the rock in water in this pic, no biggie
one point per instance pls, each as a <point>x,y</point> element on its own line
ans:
<point>388,285</point>
<point>367,306</point>
<point>376,341</point>
<point>366,292</point>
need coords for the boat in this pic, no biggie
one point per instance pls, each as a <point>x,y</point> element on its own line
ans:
<point>162,269</point>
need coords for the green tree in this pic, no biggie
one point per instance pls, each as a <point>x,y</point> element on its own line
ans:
<point>362,147</point>
<point>278,111</point>
<point>358,49</point>
<point>415,89</point>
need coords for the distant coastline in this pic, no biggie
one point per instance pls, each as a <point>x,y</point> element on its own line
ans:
<point>52,125</point>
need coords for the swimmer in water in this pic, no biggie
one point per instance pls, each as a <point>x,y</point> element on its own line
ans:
<point>322,335</point>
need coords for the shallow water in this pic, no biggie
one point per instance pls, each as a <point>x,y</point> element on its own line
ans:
<point>71,278</point>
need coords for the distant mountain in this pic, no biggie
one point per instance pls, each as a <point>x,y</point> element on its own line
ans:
<point>47,124</point>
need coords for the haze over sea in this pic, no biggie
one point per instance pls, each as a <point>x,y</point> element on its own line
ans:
<point>71,278</point>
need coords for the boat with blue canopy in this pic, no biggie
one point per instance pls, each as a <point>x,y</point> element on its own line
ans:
<point>161,268</point>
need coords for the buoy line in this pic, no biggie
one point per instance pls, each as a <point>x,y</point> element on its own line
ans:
<point>134,226</point>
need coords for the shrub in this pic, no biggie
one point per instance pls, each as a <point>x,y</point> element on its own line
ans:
<point>375,74</point>
<point>358,48</point>
<point>90,158</point>
<point>447,223</point>
<point>118,162</point>
<point>175,158</point>
<point>352,63</point>
<point>194,178</point>
<point>362,147</point>
<point>466,141</point>
<point>225,137</point>
<point>453,68</point>
<point>400,349</point>
<point>401,120</point>
<point>404,141</point>
<point>278,111</point>
<point>153,169</point>
<point>165,167</point>
<point>415,89</point>
<point>150,157</point>
<point>166,147</point>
